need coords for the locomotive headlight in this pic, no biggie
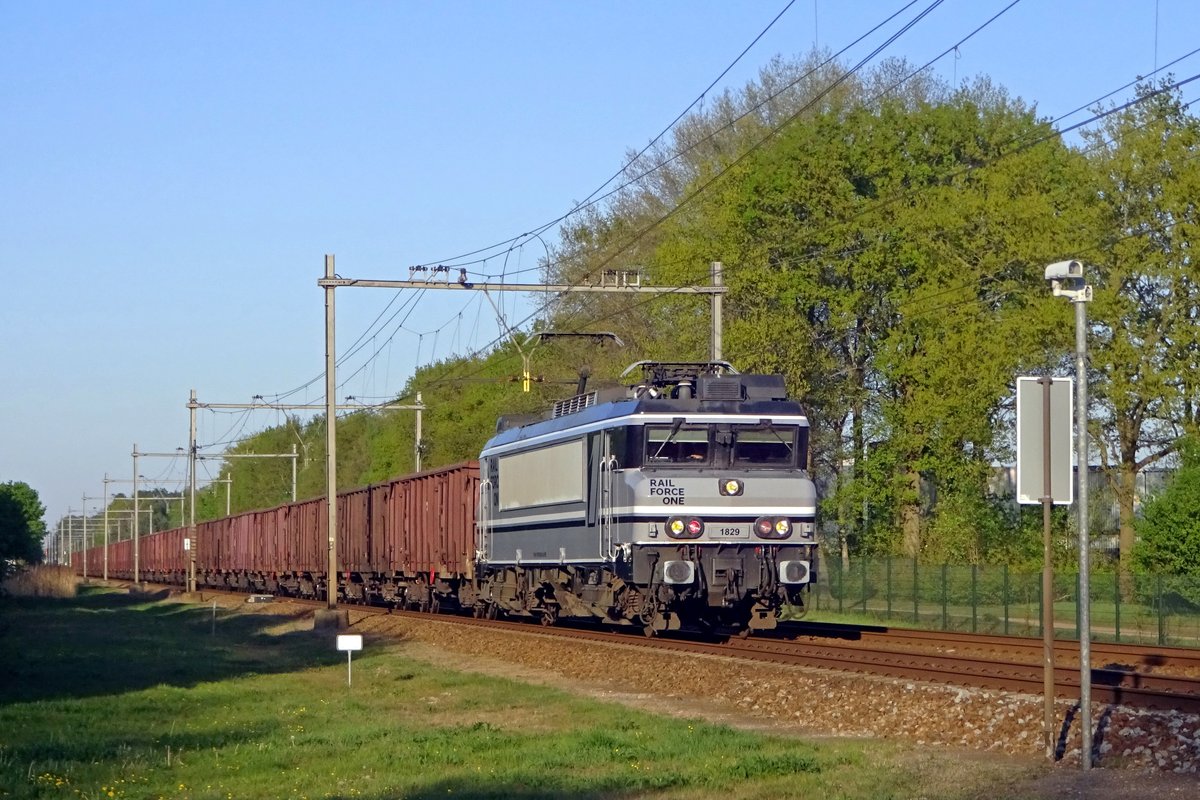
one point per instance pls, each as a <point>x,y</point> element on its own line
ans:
<point>773,527</point>
<point>731,487</point>
<point>684,528</point>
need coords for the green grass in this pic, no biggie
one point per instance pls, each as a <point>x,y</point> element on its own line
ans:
<point>103,696</point>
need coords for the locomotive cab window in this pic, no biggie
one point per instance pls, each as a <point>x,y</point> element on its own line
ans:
<point>619,447</point>
<point>677,444</point>
<point>766,445</point>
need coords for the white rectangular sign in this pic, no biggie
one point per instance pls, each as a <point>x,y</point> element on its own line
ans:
<point>349,641</point>
<point>1031,436</point>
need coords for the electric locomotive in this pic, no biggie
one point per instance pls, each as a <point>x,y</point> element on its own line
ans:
<point>680,502</point>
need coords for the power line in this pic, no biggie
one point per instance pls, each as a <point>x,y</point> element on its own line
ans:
<point>515,241</point>
<point>591,199</point>
<point>544,306</point>
<point>754,147</point>
<point>1096,117</point>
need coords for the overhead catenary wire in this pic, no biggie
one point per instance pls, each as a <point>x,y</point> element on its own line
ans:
<point>791,118</point>
<point>544,305</point>
<point>1056,133</point>
<point>771,96</point>
<point>536,232</point>
<point>513,241</point>
<point>977,281</point>
<point>957,173</point>
<point>591,199</point>
<point>787,121</point>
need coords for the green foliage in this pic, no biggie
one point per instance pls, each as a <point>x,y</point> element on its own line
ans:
<point>463,398</point>
<point>968,528</point>
<point>866,262</point>
<point>21,526</point>
<point>1143,337</point>
<point>1169,527</point>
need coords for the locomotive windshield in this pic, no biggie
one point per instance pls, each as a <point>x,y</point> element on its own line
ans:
<point>758,445</point>
<point>677,444</point>
<point>764,445</point>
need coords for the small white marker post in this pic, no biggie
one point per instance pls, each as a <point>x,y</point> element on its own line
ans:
<point>349,642</point>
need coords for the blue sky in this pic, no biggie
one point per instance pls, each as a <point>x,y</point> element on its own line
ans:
<point>174,173</point>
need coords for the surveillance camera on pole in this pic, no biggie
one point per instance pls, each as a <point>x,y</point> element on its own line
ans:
<point>1066,279</point>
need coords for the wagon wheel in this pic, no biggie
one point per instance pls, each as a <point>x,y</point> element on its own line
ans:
<point>549,616</point>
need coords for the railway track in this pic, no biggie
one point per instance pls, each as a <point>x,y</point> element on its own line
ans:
<point>1181,661</point>
<point>1165,679</point>
<point>985,669</point>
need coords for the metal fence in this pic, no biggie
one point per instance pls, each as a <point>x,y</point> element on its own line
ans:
<point>1154,609</point>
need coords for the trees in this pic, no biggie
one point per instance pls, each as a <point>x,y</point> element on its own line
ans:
<point>1169,529</point>
<point>21,526</point>
<point>1143,338</point>
<point>885,257</point>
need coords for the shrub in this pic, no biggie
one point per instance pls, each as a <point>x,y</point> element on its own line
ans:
<point>1169,528</point>
<point>43,580</point>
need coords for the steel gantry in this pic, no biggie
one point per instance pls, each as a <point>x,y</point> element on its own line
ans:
<point>610,282</point>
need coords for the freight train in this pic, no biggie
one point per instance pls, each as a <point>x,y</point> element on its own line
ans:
<point>680,501</point>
